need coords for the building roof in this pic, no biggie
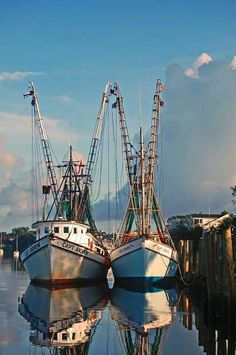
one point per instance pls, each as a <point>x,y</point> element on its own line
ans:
<point>198,215</point>
<point>206,215</point>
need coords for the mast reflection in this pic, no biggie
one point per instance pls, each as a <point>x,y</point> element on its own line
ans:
<point>63,319</point>
<point>143,318</point>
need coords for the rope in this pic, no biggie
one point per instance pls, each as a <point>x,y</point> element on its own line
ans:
<point>32,163</point>
<point>115,137</point>
<point>160,166</point>
<point>182,278</point>
<point>108,174</point>
<point>100,153</point>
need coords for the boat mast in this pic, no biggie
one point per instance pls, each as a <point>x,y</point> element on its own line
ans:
<point>152,152</point>
<point>70,182</point>
<point>127,146</point>
<point>129,155</point>
<point>142,182</point>
<point>83,204</point>
<point>45,142</point>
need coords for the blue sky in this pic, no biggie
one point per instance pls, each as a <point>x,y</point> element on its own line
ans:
<point>71,48</point>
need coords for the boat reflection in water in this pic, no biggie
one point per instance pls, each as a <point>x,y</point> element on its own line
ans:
<point>143,317</point>
<point>63,319</point>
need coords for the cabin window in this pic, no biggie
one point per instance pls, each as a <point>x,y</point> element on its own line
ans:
<point>56,229</point>
<point>66,229</point>
<point>55,336</point>
<point>73,336</point>
<point>46,230</point>
<point>196,221</point>
<point>82,231</point>
<point>64,336</point>
<point>75,230</point>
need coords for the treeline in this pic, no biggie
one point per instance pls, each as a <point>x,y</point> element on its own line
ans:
<point>196,233</point>
<point>20,238</point>
<point>183,233</point>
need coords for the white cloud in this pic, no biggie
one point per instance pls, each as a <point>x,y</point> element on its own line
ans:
<point>17,75</point>
<point>199,138</point>
<point>192,72</point>
<point>8,160</point>
<point>17,130</point>
<point>66,99</point>
<point>233,63</point>
<point>16,205</point>
<point>15,163</point>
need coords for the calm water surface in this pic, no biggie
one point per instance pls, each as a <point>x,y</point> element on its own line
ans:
<point>98,319</point>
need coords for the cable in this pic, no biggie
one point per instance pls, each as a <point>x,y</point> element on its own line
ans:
<point>108,174</point>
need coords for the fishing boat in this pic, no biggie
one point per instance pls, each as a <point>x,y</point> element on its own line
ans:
<point>144,252</point>
<point>65,319</point>
<point>68,248</point>
<point>143,318</point>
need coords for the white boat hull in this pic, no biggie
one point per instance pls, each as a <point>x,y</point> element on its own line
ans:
<point>55,260</point>
<point>143,261</point>
<point>143,311</point>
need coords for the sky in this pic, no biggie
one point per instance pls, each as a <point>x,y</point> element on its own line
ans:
<point>71,48</point>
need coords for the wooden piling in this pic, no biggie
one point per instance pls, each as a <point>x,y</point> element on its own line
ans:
<point>186,258</point>
<point>210,269</point>
<point>229,266</point>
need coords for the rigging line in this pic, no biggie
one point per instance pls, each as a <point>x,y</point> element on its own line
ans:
<point>38,171</point>
<point>114,131</point>
<point>33,200</point>
<point>100,178</point>
<point>140,105</point>
<point>119,179</point>
<point>53,152</point>
<point>66,155</point>
<point>98,156</point>
<point>108,173</point>
<point>160,166</point>
<point>122,337</point>
<point>118,204</point>
<point>120,184</point>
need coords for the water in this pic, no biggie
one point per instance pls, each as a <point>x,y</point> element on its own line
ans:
<point>99,319</point>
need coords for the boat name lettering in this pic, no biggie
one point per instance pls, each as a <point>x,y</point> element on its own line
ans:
<point>163,250</point>
<point>33,248</point>
<point>68,245</point>
<point>128,247</point>
<point>74,248</point>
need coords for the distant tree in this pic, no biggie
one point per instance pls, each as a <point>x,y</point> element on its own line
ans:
<point>25,237</point>
<point>224,212</point>
<point>21,231</point>
<point>183,233</point>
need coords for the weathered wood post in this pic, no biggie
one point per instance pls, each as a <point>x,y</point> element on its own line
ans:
<point>229,265</point>
<point>210,267</point>
<point>196,258</point>
<point>186,257</point>
<point>202,267</point>
<point>180,254</point>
